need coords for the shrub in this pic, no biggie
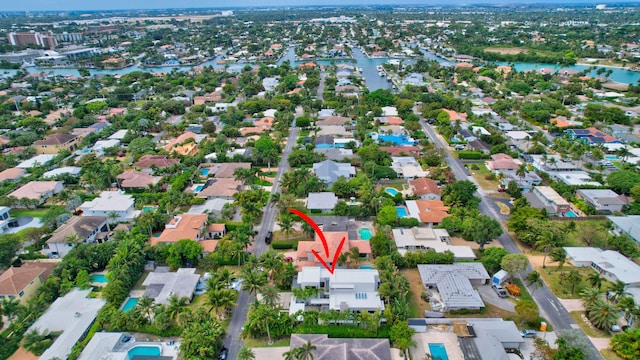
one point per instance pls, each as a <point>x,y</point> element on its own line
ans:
<point>513,289</point>
<point>284,245</point>
<point>475,167</point>
<point>472,155</point>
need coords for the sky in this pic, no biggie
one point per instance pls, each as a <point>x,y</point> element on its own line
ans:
<point>68,5</point>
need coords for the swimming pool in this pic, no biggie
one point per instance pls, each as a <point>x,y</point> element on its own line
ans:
<point>570,214</point>
<point>401,212</point>
<point>611,157</point>
<point>438,351</point>
<point>391,191</point>
<point>365,266</point>
<point>144,350</point>
<point>396,139</point>
<point>197,188</point>
<point>98,278</point>
<point>130,304</point>
<point>148,208</point>
<point>205,171</point>
<point>365,234</point>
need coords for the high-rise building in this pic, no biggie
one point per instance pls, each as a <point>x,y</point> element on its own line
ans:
<point>46,40</point>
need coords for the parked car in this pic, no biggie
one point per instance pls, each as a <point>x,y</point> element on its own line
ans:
<point>615,328</point>
<point>223,353</point>
<point>499,290</point>
<point>267,238</point>
<point>528,333</point>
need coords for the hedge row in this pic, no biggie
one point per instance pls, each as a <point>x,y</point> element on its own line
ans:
<point>472,155</point>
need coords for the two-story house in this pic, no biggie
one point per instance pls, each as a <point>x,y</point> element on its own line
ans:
<point>603,200</point>
<point>114,204</point>
<point>183,226</point>
<point>54,143</point>
<point>544,197</point>
<point>345,289</point>
<point>78,229</point>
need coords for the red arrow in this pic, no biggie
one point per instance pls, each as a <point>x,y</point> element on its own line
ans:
<point>316,228</point>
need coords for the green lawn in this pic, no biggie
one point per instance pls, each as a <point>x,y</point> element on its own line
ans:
<point>36,213</point>
<point>524,292</point>
<point>303,133</point>
<point>576,238</point>
<point>479,176</point>
<point>609,354</point>
<point>589,330</point>
<point>138,284</point>
<point>551,277</point>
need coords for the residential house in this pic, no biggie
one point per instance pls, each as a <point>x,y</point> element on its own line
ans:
<point>345,289</point>
<point>466,135</point>
<point>592,136</point>
<point>335,130</point>
<point>389,111</point>
<point>478,145</point>
<point>38,160</point>
<point>324,141</point>
<point>78,229</point>
<point>430,212</point>
<point>455,285</point>
<point>226,170</point>
<point>425,188</point>
<point>525,183</point>
<point>220,188</point>
<point>22,282</point>
<point>493,338</point>
<point>335,154</point>
<point>37,190</point>
<point>133,179</point>
<point>182,226</point>
<point>73,171</point>
<point>12,174</point>
<point>610,264</point>
<point>456,116</point>
<point>118,135</point>
<point>162,284</point>
<point>402,150</point>
<point>330,171</point>
<point>5,219</point>
<point>55,143</point>
<point>115,205</point>
<point>270,83</point>
<point>503,162</point>
<point>321,201</point>
<point>304,254</point>
<point>603,200</point>
<point>213,207</point>
<point>159,161</point>
<point>629,225</point>
<point>116,346</point>
<point>420,238</point>
<point>544,197</point>
<point>407,167</point>
<point>171,144</point>
<point>325,348</point>
<point>215,231</point>
<point>334,121</point>
<point>91,129</point>
<point>72,315</point>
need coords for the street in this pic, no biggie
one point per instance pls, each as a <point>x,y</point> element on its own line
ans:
<point>232,340</point>
<point>550,307</point>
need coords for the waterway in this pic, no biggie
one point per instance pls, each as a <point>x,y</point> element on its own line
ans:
<point>373,81</point>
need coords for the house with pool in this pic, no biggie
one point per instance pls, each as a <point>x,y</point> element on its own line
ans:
<point>124,346</point>
<point>429,212</point>
<point>423,238</point>
<point>304,255</point>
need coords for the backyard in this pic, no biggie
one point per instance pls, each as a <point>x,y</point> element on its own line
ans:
<point>562,288</point>
<point>587,233</point>
<point>479,172</point>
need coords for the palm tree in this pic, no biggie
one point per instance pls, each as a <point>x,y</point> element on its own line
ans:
<point>305,351</point>
<point>253,281</point>
<point>246,354</point>
<point>243,175</point>
<point>146,307</point>
<point>628,305</point>
<point>286,225</point>
<point>522,171</point>
<point>618,290</point>
<point>595,280</point>
<point>10,308</point>
<point>623,153</point>
<point>354,256</point>
<point>553,162</point>
<point>574,277</point>
<point>533,278</point>
<point>176,306</point>
<point>545,241</point>
<point>270,296</point>
<point>590,297</point>
<point>603,315</point>
<point>559,255</point>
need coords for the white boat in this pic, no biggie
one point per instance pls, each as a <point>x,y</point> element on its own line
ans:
<point>380,68</point>
<point>381,73</point>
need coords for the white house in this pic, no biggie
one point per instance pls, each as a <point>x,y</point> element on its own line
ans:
<point>111,202</point>
<point>612,265</point>
<point>323,201</point>
<point>421,238</point>
<point>77,229</point>
<point>407,167</point>
<point>345,289</point>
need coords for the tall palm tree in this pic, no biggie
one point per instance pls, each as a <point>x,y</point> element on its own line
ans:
<point>146,307</point>
<point>176,306</point>
<point>273,262</point>
<point>595,280</point>
<point>533,278</point>
<point>590,296</point>
<point>522,171</point>
<point>253,281</point>
<point>560,255</point>
<point>623,153</point>
<point>544,241</point>
<point>305,351</point>
<point>246,354</point>
<point>286,225</point>
<point>270,296</point>
<point>618,290</point>
<point>603,315</point>
<point>354,256</point>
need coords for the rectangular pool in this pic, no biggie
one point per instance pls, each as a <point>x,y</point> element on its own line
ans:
<point>438,351</point>
<point>205,171</point>
<point>401,212</point>
<point>570,214</point>
<point>99,278</point>
<point>130,304</point>
<point>145,351</point>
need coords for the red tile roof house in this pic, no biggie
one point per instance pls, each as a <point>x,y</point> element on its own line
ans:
<point>21,282</point>
<point>503,162</point>
<point>183,226</point>
<point>37,190</point>
<point>159,161</point>
<point>12,174</point>
<point>133,179</point>
<point>305,256</point>
<point>425,189</point>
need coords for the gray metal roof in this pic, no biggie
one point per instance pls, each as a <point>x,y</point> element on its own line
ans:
<point>344,349</point>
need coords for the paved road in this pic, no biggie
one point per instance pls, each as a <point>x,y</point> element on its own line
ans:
<point>551,308</point>
<point>232,340</point>
<point>323,75</point>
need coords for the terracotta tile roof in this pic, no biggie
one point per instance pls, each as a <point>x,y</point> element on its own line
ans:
<point>136,179</point>
<point>464,64</point>
<point>16,279</point>
<point>224,188</point>
<point>158,160</point>
<point>183,226</point>
<point>35,189</point>
<point>432,211</point>
<point>364,246</point>
<point>454,115</point>
<point>179,140</point>
<point>209,246</point>
<point>333,240</point>
<point>216,227</point>
<point>12,174</point>
<point>424,186</point>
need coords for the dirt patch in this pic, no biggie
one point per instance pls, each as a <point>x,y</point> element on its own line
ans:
<point>507,51</point>
<point>416,290</point>
<point>22,354</point>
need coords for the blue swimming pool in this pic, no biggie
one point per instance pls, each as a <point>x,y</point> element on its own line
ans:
<point>130,304</point>
<point>365,234</point>
<point>391,191</point>
<point>611,157</point>
<point>205,171</point>
<point>438,351</point>
<point>401,212</point>
<point>365,266</point>
<point>148,208</point>
<point>144,350</point>
<point>198,188</point>
<point>570,213</point>
<point>324,146</point>
<point>396,139</point>
<point>98,278</point>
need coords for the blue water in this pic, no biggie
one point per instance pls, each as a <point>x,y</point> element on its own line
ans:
<point>611,157</point>
<point>402,212</point>
<point>144,351</point>
<point>205,171</point>
<point>392,191</point>
<point>198,188</point>
<point>149,209</point>
<point>369,267</point>
<point>365,234</point>
<point>324,146</point>
<point>571,214</point>
<point>619,75</point>
<point>438,351</point>
<point>130,304</point>
<point>98,278</point>
<point>396,139</point>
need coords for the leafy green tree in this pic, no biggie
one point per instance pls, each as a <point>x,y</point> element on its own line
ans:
<point>201,340</point>
<point>387,215</point>
<point>627,344</point>
<point>141,146</point>
<point>460,194</point>
<point>514,263</point>
<point>566,352</point>
<point>528,311</point>
<point>622,181</point>
<point>9,245</point>
<point>492,257</point>
<point>183,252</point>
<point>481,229</point>
<point>37,343</point>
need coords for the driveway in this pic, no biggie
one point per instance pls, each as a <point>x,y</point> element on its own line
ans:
<point>490,296</point>
<point>270,352</point>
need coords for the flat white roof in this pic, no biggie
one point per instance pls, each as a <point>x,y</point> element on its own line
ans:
<point>109,201</point>
<point>38,159</point>
<point>72,314</point>
<point>431,239</point>
<point>548,193</point>
<point>119,135</point>
<point>73,170</point>
<point>610,261</point>
<point>574,178</point>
